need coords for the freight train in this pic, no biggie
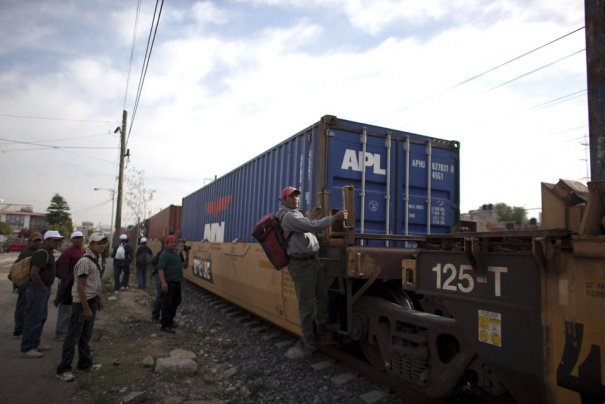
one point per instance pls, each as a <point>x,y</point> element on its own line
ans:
<point>515,316</point>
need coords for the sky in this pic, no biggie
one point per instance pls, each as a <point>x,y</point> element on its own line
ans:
<point>229,79</point>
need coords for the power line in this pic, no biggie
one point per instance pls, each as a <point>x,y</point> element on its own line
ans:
<point>147,58</point>
<point>560,100</point>
<point>134,37</point>
<point>535,70</point>
<point>70,138</point>
<point>54,147</point>
<point>47,118</point>
<point>476,76</point>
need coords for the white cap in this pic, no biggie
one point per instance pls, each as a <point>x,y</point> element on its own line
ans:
<point>143,240</point>
<point>123,237</point>
<point>52,234</point>
<point>77,233</point>
<point>96,237</point>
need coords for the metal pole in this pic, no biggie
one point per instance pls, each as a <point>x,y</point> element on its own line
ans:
<point>594,11</point>
<point>118,224</point>
<point>113,198</point>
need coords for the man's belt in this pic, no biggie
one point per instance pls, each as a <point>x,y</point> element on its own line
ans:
<point>303,257</point>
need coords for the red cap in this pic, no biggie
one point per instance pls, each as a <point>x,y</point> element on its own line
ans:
<point>170,239</point>
<point>287,191</point>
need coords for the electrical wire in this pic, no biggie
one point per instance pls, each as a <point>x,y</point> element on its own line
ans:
<point>134,37</point>
<point>55,147</point>
<point>535,70</point>
<point>560,100</point>
<point>147,58</point>
<point>46,118</point>
<point>474,77</point>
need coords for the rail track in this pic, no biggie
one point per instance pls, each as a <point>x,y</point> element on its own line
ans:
<point>323,372</point>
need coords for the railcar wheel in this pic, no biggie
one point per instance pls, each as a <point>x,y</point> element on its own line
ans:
<point>393,294</point>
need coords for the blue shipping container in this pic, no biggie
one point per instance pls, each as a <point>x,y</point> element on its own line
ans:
<point>405,184</point>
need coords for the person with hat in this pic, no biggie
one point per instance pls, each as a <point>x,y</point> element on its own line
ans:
<point>170,274</point>
<point>37,292</point>
<point>87,295</point>
<point>304,265</point>
<point>65,272</point>
<point>34,242</point>
<point>122,257</point>
<point>143,259</point>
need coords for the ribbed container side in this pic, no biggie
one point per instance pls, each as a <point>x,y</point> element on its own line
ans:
<point>165,222</point>
<point>410,185</point>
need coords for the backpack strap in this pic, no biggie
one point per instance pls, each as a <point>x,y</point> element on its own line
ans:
<point>93,260</point>
<point>47,256</point>
<point>280,218</point>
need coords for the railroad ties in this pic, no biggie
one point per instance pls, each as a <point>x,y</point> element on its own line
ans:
<point>338,367</point>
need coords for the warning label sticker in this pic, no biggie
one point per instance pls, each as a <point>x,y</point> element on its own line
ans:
<point>490,327</point>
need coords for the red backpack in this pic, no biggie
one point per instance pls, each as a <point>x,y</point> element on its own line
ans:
<point>270,235</point>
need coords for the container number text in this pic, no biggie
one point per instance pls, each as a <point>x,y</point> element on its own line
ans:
<point>449,277</point>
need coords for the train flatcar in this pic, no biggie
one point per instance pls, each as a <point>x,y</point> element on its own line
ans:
<point>514,316</point>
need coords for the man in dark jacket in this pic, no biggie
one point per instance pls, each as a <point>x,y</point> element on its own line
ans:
<point>143,259</point>
<point>42,276</point>
<point>65,272</point>
<point>170,273</point>
<point>122,257</point>
<point>35,241</point>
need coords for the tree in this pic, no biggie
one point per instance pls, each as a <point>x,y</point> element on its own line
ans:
<point>137,195</point>
<point>515,214</point>
<point>58,216</point>
<point>5,229</point>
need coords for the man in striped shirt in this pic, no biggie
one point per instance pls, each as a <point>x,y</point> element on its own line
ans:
<point>87,299</point>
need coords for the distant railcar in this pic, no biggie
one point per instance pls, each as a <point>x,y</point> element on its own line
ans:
<point>167,221</point>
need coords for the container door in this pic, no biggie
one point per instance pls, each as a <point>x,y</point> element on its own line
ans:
<point>350,163</point>
<point>427,188</point>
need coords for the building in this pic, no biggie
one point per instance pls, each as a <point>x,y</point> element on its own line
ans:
<point>21,217</point>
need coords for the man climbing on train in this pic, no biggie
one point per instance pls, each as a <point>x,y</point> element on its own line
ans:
<point>304,266</point>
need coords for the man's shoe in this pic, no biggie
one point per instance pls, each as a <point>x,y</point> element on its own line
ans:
<point>42,348</point>
<point>326,338</point>
<point>93,368</point>
<point>155,320</point>
<point>31,354</point>
<point>65,377</point>
<point>168,330</point>
<point>17,336</point>
<point>310,344</point>
<point>174,325</point>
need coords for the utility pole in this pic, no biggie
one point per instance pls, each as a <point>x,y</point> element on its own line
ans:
<point>118,225</point>
<point>594,12</point>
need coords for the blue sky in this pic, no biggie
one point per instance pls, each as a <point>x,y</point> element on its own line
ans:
<point>229,79</point>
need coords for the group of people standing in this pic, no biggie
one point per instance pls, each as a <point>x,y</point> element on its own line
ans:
<point>79,293</point>
<point>79,296</point>
<point>80,270</point>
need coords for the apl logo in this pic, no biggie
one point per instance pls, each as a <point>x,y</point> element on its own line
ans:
<point>353,160</point>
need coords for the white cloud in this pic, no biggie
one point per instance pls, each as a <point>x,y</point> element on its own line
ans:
<point>206,11</point>
<point>213,99</point>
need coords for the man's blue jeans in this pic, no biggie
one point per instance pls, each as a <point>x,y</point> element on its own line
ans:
<point>36,312</point>
<point>157,305</point>
<point>142,276</point>
<point>19,311</point>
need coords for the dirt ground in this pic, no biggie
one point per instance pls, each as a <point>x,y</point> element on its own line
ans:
<point>123,337</point>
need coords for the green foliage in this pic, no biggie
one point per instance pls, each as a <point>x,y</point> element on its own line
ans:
<point>58,216</point>
<point>515,214</point>
<point>5,229</point>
